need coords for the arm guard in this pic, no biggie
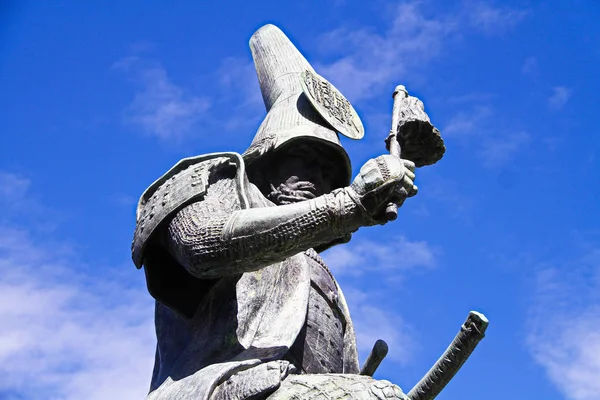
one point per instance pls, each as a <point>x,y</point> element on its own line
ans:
<point>185,183</point>
<point>212,239</point>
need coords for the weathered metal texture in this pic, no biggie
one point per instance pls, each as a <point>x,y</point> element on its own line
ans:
<point>336,387</point>
<point>291,118</point>
<point>378,353</point>
<point>412,136</point>
<point>470,334</point>
<point>243,301</point>
<point>184,183</point>
<point>419,141</point>
<point>320,344</point>
<point>332,105</point>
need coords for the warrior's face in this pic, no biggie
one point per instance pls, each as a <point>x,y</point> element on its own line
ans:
<point>302,172</point>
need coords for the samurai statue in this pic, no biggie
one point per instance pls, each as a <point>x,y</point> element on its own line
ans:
<point>245,306</point>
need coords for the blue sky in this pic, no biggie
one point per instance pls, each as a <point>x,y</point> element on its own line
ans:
<point>97,99</point>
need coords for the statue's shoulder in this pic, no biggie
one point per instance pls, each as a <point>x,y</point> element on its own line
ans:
<point>186,182</point>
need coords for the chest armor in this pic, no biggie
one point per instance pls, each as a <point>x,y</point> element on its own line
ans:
<point>319,345</point>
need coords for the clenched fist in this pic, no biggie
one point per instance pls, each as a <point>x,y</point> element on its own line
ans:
<point>383,180</point>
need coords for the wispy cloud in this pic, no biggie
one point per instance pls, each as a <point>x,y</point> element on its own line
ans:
<point>239,87</point>
<point>376,58</point>
<point>166,110</point>
<point>159,106</point>
<point>12,186</point>
<point>451,197</point>
<point>66,334</point>
<point>497,151</point>
<point>469,123</point>
<point>372,322</point>
<point>559,98</point>
<point>414,36</point>
<point>530,66</point>
<point>400,255</point>
<point>125,200</point>
<point>496,145</point>
<point>471,98</point>
<point>493,20</point>
<point>564,326</point>
<point>368,61</point>
<point>18,204</point>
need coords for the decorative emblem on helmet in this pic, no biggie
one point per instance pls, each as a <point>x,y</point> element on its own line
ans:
<point>332,105</point>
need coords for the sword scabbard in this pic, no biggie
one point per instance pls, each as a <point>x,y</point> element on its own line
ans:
<point>471,332</point>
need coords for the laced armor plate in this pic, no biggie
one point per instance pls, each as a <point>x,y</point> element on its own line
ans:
<point>319,347</point>
<point>186,182</point>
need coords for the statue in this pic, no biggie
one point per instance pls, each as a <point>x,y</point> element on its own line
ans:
<point>245,306</point>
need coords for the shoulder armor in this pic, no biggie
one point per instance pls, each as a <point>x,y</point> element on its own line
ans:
<point>183,184</point>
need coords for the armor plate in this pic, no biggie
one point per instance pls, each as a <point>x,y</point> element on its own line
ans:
<point>186,182</point>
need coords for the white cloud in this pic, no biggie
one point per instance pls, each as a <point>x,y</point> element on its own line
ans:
<point>450,196</point>
<point>474,97</point>
<point>400,255</point>
<point>413,38</point>
<point>239,75</point>
<point>160,107</point>
<point>378,58</point>
<point>468,123</point>
<point>239,87</point>
<point>65,333</point>
<point>530,66</point>
<point>564,326</point>
<point>166,110</point>
<point>12,186</point>
<point>496,145</point>
<point>19,204</point>
<point>493,20</point>
<point>66,336</point>
<point>372,322</point>
<point>560,96</point>
<point>498,150</point>
<point>124,200</point>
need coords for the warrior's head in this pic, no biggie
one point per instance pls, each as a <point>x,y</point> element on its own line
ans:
<point>295,154</point>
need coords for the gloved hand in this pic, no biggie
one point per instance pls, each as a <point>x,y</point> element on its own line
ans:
<point>380,181</point>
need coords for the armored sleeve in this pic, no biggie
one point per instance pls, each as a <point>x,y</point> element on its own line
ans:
<point>214,237</point>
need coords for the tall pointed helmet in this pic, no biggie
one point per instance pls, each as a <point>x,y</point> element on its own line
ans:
<point>295,114</point>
